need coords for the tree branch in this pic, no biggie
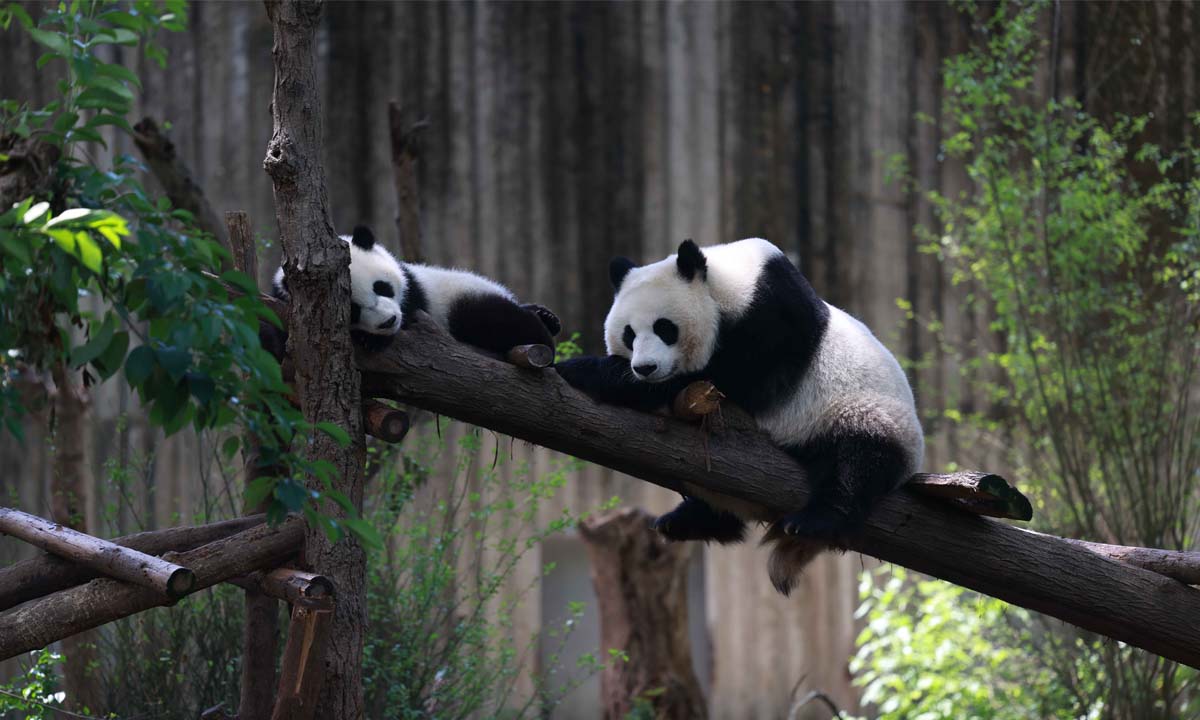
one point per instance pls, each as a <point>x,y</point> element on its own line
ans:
<point>176,180</point>
<point>36,624</point>
<point>427,369</point>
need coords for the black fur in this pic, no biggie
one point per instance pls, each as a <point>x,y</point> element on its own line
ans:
<point>496,323</point>
<point>694,519</point>
<point>363,237</point>
<point>547,316</point>
<point>609,379</point>
<point>618,268</point>
<point>414,297</point>
<point>691,261</point>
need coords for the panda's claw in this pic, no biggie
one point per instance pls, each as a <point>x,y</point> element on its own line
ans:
<point>815,522</point>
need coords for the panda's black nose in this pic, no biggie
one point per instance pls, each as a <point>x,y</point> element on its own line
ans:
<point>389,323</point>
<point>645,369</point>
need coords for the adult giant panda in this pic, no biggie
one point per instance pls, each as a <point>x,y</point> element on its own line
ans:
<point>384,294</point>
<point>814,378</point>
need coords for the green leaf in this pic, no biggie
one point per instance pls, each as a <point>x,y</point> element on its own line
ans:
<point>118,72</point>
<point>292,494</point>
<point>175,361</point>
<point>364,531</point>
<point>89,252</point>
<point>258,490</point>
<point>202,387</point>
<point>139,365</point>
<point>240,280</point>
<point>230,447</point>
<point>35,212</point>
<point>334,431</point>
<point>60,44</point>
<point>15,245</point>
<point>110,360</point>
<point>70,215</point>
<point>92,349</point>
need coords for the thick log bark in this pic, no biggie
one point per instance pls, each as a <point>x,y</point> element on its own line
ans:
<point>641,590</point>
<point>39,576</point>
<point>317,265</point>
<point>385,422</point>
<point>427,369</point>
<point>27,169</point>
<point>36,624</point>
<point>291,586</point>
<point>1182,566</point>
<point>100,555</point>
<point>303,670</point>
<point>176,180</point>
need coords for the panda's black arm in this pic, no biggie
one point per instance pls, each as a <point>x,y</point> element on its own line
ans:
<point>609,379</point>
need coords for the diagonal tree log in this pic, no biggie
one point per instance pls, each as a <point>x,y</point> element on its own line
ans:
<point>428,369</point>
<point>36,624</point>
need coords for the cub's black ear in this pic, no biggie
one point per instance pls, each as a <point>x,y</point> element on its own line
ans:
<point>691,262</point>
<point>618,268</point>
<point>363,237</point>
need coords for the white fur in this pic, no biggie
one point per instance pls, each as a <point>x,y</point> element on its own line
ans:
<point>853,382</point>
<point>444,286</point>
<point>658,291</point>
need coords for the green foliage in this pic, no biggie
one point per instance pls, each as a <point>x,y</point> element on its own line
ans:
<point>567,349</point>
<point>130,271</point>
<point>34,694</point>
<point>443,594</point>
<point>1082,243</point>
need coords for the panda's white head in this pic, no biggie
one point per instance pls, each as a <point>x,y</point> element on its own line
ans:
<point>664,317</point>
<point>377,285</point>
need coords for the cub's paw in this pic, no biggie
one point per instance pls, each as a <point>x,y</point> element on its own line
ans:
<point>547,316</point>
<point>696,520</point>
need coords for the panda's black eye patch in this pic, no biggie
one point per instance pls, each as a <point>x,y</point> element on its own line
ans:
<point>355,312</point>
<point>383,289</point>
<point>666,330</point>
<point>628,337</point>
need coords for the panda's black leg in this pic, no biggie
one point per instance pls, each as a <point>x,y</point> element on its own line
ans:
<point>862,470</point>
<point>496,323</point>
<point>694,519</point>
<point>609,379</point>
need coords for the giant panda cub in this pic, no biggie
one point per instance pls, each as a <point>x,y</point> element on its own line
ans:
<point>384,294</point>
<point>814,378</point>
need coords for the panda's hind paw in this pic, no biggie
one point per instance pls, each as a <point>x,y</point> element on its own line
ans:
<point>820,523</point>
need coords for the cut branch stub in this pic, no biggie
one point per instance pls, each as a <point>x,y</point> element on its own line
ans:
<point>697,401</point>
<point>534,356</point>
<point>977,492</point>
<point>290,585</point>
<point>384,421</point>
<point>100,555</point>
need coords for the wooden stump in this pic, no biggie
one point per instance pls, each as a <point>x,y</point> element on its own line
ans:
<point>641,587</point>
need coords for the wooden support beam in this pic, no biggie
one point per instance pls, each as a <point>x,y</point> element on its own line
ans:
<point>39,576</point>
<point>103,556</point>
<point>289,585</point>
<point>303,669</point>
<point>1183,566</point>
<point>428,369</point>
<point>38,623</point>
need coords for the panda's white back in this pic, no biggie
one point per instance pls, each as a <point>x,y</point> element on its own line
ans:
<point>445,286</point>
<point>854,382</point>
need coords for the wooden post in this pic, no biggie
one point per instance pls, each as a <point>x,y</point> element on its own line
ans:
<point>641,589</point>
<point>100,555</point>
<point>303,669</point>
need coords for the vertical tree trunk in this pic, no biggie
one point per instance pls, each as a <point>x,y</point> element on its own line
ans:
<point>641,588</point>
<point>317,266</point>
<point>68,506</point>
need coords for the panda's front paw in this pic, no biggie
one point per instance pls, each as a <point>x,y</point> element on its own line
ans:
<point>693,519</point>
<point>546,316</point>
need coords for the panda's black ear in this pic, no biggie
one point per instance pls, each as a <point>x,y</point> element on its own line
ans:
<point>363,237</point>
<point>691,262</point>
<point>618,268</point>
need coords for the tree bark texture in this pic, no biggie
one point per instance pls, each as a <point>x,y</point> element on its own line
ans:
<point>317,264</point>
<point>39,576</point>
<point>641,589</point>
<point>426,368</point>
<point>36,624</point>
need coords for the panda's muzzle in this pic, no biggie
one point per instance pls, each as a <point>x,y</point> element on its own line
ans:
<point>387,324</point>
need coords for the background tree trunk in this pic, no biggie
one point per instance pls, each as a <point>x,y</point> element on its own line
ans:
<point>317,264</point>
<point>641,586</point>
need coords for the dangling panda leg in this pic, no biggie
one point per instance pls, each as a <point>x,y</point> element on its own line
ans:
<point>694,519</point>
<point>855,473</point>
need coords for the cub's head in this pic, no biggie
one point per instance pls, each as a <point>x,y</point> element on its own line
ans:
<point>663,318</point>
<point>377,285</point>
